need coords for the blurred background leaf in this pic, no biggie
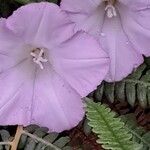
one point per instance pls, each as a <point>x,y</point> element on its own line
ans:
<point>31,1</point>
<point>133,89</point>
<point>8,6</point>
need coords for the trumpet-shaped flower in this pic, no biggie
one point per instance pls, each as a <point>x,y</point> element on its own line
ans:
<point>45,68</point>
<point>121,26</point>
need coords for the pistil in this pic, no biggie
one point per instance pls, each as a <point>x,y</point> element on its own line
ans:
<point>110,9</point>
<point>38,57</point>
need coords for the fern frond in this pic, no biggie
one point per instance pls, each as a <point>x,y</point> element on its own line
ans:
<point>139,134</point>
<point>111,130</point>
<point>135,87</point>
<point>33,137</point>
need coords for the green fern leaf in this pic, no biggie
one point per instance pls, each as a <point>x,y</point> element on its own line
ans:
<point>33,137</point>
<point>136,87</point>
<point>111,131</point>
<point>139,134</point>
<point>38,138</point>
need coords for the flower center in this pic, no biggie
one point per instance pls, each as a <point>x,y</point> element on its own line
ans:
<point>38,57</point>
<point>110,9</point>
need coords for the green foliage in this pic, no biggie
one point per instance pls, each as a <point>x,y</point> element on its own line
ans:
<point>35,140</point>
<point>8,6</point>
<point>136,87</point>
<point>5,136</point>
<point>30,1</point>
<point>111,130</point>
<point>34,137</point>
<point>23,1</point>
<point>139,134</point>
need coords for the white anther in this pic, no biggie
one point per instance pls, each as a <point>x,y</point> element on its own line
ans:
<point>111,11</point>
<point>38,58</point>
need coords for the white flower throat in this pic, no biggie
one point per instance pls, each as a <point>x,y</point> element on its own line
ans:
<point>38,57</point>
<point>110,9</point>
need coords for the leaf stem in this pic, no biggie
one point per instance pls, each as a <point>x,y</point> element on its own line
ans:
<point>15,142</point>
<point>40,140</point>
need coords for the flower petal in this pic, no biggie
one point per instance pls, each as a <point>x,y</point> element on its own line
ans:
<point>124,58</point>
<point>40,97</point>
<point>10,46</point>
<point>132,33</point>
<point>55,104</point>
<point>44,28</point>
<point>16,92</point>
<point>138,5</point>
<point>137,28</point>
<point>87,14</point>
<point>81,62</point>
<point>80,6</point>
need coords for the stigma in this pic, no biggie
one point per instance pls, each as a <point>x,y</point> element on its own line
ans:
<point>110,9</point>
<point>38,57</point>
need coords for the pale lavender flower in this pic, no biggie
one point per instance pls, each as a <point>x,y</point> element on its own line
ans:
<point>121,26</point>
<point>45,69</point>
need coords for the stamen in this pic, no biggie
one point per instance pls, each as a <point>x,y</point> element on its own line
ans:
<point>111,11</point>
<point>38,58</point>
